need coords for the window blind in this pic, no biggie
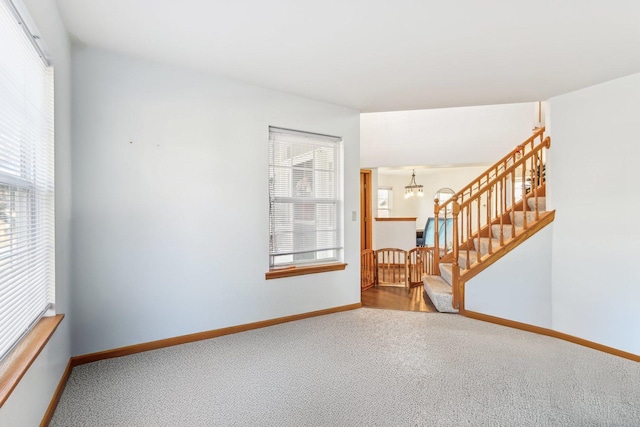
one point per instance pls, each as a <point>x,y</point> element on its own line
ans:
<point>26,181</point>
<point>305,198</point>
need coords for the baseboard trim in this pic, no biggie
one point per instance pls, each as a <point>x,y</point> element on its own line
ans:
<point>168,342</point>
<point>550,333</point>
<point>56,396</point>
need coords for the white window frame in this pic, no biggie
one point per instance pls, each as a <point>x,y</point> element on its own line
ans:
<point>305,199</point>
<point>27,235</point>
<point>385,212</point>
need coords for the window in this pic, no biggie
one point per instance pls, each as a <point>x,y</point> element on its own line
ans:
<point>443,195</point>
<point>26,181</point>
<point>385,201</point>
<point>305,198</point>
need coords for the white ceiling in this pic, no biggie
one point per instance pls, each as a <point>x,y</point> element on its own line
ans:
<point>378,55</point>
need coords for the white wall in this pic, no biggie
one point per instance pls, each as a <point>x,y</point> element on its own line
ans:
<point>445,136</point>
<point>593,178</point>
<point>432,179</point>
<point>518,286</point>
<point>171,205</point>
<point>395,234</point>
<point>29,401</point>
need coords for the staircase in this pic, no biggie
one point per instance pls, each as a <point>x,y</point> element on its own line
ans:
<point>492,215</point>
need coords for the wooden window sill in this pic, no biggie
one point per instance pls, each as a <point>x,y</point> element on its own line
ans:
<point>299,271</point>
<point>16,364</point>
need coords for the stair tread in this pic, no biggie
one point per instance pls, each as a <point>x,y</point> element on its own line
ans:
<point>542,203</point>
<point>438,284</point>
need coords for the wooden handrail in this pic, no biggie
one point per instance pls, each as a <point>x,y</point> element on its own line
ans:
<point>545,144</point>
<point>512,154</point>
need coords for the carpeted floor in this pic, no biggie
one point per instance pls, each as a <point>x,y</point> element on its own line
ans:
<point>364,367</point>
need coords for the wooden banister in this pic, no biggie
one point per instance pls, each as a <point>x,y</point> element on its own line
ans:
<point>477,183</point>
<point>521,162</point>
<point>490,200</point>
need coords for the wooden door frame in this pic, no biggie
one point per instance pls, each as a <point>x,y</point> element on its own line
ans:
<point>366,219</point>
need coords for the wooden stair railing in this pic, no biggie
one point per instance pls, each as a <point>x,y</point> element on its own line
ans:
<point>490,200</point>
<point>501,165</point>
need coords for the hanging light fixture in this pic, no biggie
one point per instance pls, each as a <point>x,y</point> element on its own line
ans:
<point>412,188</point>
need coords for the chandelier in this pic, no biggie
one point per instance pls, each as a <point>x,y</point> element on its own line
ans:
<point>410,190</point>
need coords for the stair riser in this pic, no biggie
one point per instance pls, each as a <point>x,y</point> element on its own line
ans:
<point>507,230</point>
<point>542,203</point>
<point>462,258</point>
<point>483,245</point>
<point>518,217</point>
<point>446,273</point>
<point>439,293</point>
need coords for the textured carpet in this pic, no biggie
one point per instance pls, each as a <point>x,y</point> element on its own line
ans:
<point>363,367</point>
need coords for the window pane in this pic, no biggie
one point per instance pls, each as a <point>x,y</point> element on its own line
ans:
<point>305,197</point>
<point>26,182</point>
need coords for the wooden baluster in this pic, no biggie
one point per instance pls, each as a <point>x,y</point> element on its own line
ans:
<point>383,270</point>
<point>489,201</point>
<point>446,216</point>
<point>468,208</point>
<point>375,268</point>
<point>501,210</point>
<point>455,289</point>
<point>524,195</point>
<point>536,178</point>
<point>478,209</point>
<point>406,270</point>
<point>513,203</point>
<point>396,269</point>
<point>414,267</point>
<point>393,266</point>
<point>496,206</point>
<point>436,210</point>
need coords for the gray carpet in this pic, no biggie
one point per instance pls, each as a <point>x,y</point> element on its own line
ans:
<point>364,367</point>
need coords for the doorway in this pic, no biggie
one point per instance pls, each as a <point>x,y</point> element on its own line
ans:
<point>365,210</point>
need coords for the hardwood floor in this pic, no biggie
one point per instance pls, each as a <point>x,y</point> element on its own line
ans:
<point>397,298</point>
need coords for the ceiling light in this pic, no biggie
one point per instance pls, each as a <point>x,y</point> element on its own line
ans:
<point>412,188</point>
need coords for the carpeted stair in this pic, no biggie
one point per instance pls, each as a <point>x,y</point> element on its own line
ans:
<point>438,288</point>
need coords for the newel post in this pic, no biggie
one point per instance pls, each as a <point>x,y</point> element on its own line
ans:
<point>455,286</point>
<point>436,258</point>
